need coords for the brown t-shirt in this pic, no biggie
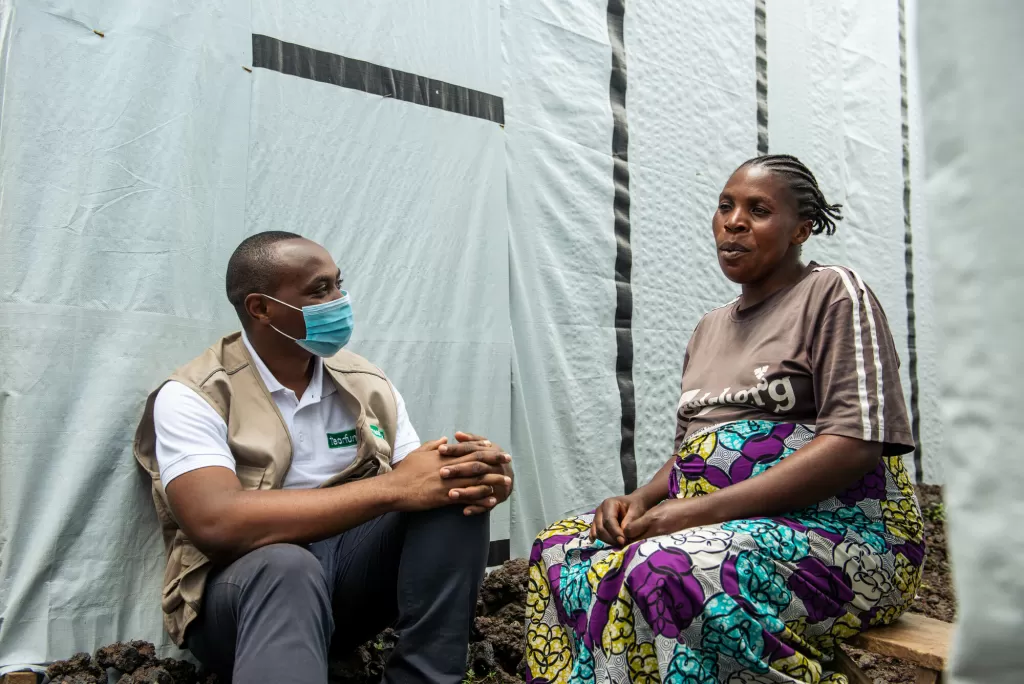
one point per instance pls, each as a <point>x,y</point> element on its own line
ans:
<point>818,352</point>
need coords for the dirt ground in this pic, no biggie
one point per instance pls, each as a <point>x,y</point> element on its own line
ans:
<point>497,642</point>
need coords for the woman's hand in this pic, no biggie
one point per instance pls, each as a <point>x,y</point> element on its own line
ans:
<point>613,515</point>
<point>668,517</point>
<point>825,467</point>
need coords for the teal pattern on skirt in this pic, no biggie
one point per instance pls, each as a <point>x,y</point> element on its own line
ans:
<point>742,602</point>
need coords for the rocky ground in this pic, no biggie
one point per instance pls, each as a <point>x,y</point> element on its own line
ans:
<point>496,648</point>
<point>133,662</point>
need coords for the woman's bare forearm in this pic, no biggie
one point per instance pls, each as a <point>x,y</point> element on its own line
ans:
<point>825,467</point>
<point>656,491</point>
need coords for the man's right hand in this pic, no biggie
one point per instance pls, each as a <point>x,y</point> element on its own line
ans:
<point>419,480</point>
<point>612,517</point>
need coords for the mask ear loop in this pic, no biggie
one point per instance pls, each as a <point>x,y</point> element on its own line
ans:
<point>280,302</point>
<point>294,339</point>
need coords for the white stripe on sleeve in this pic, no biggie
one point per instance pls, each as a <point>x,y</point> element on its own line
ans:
<point>862,379</point>
<point>875,352</point>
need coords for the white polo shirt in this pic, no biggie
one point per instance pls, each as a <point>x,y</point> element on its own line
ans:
<point>190,434</point>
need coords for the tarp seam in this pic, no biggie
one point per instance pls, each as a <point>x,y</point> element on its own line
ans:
<point>761,65</point>
<point>327,67</point>
<point>908,254</point>
<point>623,252</point>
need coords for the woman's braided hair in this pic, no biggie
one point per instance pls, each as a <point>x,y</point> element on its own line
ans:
<point>811,203</point>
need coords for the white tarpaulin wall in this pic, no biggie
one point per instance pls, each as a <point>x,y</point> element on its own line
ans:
<point>834,97</point>
<point>973,92</point>
<point>518,193</point>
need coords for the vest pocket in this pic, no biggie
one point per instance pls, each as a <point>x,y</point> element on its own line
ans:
<point>376,441</point>
<point>383,453</point>
<point>184,562</point>
<point>251,477</point>
<point>383,464</point>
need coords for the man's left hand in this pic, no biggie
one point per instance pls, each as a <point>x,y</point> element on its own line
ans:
<point>477,456</point>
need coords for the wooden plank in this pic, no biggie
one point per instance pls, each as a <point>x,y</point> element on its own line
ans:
<point>19,678</point>
<point>925,676</point>
<point>915,638</point>
<point>844,664</point>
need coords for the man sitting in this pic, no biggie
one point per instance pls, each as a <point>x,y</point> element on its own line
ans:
<point>296,501</point>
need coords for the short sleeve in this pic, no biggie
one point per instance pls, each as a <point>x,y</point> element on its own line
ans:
<point>855,369</point>
<point>681,421</point>
<point>190,434</point>
<point>406,439</point>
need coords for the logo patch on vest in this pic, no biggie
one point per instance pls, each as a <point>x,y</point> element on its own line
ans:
<point>344,440</point>
<point>341,440</point>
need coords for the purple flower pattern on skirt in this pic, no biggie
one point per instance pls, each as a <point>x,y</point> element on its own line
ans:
<point>871,486</point>
<point>743,598</point>
<point>665,591</point>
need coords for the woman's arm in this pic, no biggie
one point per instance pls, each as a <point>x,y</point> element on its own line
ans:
<point>656,491</point>
<point>825,467</point>
<point>617,512</point>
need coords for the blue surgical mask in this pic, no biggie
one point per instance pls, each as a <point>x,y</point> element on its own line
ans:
<point>328,325</point>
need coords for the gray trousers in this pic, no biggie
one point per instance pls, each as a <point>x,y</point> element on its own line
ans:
<point>272,614</point>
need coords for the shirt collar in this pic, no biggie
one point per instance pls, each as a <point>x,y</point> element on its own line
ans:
<point>318,380</point>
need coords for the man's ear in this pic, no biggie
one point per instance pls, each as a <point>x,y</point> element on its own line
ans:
<point>803,231</point>
<point>256,308</point>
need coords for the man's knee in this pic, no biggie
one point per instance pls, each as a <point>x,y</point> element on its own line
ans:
<point>287,566</point>
<point>465,536</point>
<point>452,518</point>
<point>457,514</point>
<point>279,579</point>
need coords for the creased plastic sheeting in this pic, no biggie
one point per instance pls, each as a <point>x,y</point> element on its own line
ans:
<point>119,154</point>
<point>565,410</point>
<point>134,163</point>
<point>327,67</point>
<point>451,40</point>
<point>410,201</point>
<point>681,72</point>
<point>973,94</point>
<point>925,273</point>
<point>126,160</point>
<point>834,101</point>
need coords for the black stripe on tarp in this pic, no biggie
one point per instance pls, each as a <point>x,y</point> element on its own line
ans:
<point>908,255</point>
<point>498,552</point>
<point>327,67</point>
<point>761,65</point>
<point>624,251</point>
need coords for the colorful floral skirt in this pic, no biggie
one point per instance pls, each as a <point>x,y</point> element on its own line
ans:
<point>742,602</point>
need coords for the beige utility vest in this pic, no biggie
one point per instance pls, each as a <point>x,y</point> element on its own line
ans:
<point>225,376</point>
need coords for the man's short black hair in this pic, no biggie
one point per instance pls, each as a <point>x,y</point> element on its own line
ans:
<point>251,268</point>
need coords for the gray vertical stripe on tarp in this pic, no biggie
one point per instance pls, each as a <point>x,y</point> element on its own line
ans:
<point>327,67</point>
<point>908,254</point>
<point>624,252</point>
<point>761,63</point>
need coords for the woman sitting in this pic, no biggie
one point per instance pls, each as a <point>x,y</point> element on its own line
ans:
<point>786,523</point>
